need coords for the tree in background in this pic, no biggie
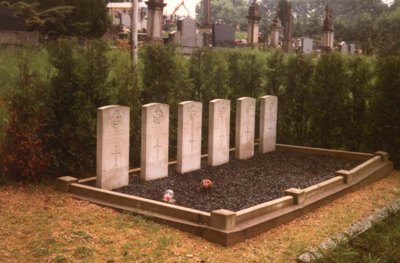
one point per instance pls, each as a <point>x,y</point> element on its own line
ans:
<point>231,12</point>
<point>63,18</point>
<point>388,32</point>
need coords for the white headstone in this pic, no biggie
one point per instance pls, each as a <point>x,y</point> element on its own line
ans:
<point>306,45</point>
<point>189,136</point>
<point>155,141</point>
<point>112,147</point>
<point>218,132</point>
<point>268,123</point>
<point>344,48</point>
<point>245,127</point>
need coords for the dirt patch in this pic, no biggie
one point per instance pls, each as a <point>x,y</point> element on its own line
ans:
<point>241,184</point>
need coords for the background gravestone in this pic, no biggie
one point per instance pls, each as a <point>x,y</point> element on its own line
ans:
<point>245,127</point>
<point>344,48</point>
<point>187,28</point>
<point>306,45</point>
<point>189,136</point>
<point>352,49</point>
<point>223,35</point>
<point>186,35</point>
<point>218,132</point>
<point>268,123</point>
<point>112,147</point>
<point>154,141</point>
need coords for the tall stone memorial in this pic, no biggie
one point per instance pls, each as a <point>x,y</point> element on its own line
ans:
<point>154,20</point>
<point>245,127</point>
<point>218,132</point>
<point>268,123</point>
<point>328,34</point>
<point>189,136</point>
<point>112,147</point>
<point>275,31</point>
<point>154,141</point>
<point>253,23</point>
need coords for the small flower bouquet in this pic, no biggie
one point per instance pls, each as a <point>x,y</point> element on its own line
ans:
<point>168,197</point>
<point>206,184</point>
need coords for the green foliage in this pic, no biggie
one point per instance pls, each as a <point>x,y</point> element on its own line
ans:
<point>77,90</point>
<point>166,81</point>
<point>331,101</point>
<point>24,153</point>
<point>245,75</point>
<point>54,19</point>
<point>232,12</point>
<point>22,111</point>
<point>294,98</point>
<point>388,32</point>
<point>377,244</point>
<point>386,106</point>
<point>275,72</point>
<point>327,96</point>
<point>359,82</point>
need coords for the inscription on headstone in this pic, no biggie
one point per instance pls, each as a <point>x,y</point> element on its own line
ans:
<point>189,136</point>
<point>245,127</point>
<point>268,123</point>
<point>112,147</point>
<point>218,132</point>
<point>154,141</point>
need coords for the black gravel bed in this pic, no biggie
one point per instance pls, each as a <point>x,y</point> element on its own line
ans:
<point>241,184</point>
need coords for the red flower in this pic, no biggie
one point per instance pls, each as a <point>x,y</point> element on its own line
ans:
<point>206,183</point>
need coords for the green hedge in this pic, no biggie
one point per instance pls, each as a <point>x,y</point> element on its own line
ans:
<point>333,101</point>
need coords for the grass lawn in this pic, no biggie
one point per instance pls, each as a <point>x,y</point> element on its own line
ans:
<point>39,224</point>
<point>381,243</point>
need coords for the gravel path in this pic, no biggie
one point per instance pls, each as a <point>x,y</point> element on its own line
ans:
<point>242,184</point>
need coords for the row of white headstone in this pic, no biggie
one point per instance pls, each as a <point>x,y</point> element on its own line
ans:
<point>113,137</point>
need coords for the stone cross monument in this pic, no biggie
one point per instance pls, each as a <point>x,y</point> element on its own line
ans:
<point>275,31</point>
<point>155,20</point>
<point>327,31</point>
<point>253,23</point>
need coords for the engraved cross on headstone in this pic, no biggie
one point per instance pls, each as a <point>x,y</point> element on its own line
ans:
<point>222,139</point>
<point>192,116</point>
<point>248,131</point>
<point>192,140</point>
<point>158,146</point>
<point>116,153</point>
<point>271,114</point>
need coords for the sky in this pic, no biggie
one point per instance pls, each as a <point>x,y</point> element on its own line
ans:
<point>190,4</point>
